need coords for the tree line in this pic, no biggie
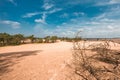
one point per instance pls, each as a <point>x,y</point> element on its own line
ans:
<point>16,39</point>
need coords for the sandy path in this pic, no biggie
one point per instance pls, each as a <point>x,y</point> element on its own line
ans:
<point>39,62</point>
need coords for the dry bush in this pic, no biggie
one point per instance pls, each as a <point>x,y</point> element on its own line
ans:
<point>103,65</point>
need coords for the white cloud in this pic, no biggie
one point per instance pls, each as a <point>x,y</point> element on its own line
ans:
<point>108,2</point>
<point>64,23</point>
<point>62,32</point>
<point>28,15</point>
<point>109,14</point>
<point>97,28</point>
<point>45,14</point>
<point>110,27</point>
<point>12,24</point>
<point>104,25</point>
<point>75,2</point>
<point>41,30</point>
<point>114,1</point>
<point>13,2</point>
<point>93,23</point>
<point>49,9</point>
<point>44,30</point>
<point>101,16</point>
<point>73,20</point>
<point>41,20</point>
<point>47,6</point>
<point>54,10</point>
<point>79,13</point>
<point>64,15</point>
<point>104,28</point>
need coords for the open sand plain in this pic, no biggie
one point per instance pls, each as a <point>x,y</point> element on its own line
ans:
<point>34,61</point>
<point>45,61</point>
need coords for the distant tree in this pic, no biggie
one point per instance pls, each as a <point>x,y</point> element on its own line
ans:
<point>18,38</point>
<point>47,39</point>
<point>40,40</point>
<point>32,38</point>
<point>77,39</point>
<point>4,38</point>
<point>53,38</point>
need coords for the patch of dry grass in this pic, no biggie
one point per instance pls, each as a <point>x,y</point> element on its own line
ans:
<point>95,62</point>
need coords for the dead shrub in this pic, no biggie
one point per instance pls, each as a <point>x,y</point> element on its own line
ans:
<point>104,65</point>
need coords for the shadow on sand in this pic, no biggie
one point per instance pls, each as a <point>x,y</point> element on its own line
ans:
<point>9,59</point>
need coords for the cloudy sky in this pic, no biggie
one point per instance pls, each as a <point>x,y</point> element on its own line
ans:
<point>94,18</point>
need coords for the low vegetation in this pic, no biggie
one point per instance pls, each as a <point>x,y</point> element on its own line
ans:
<point>17,39</point>
<point>95,62</point>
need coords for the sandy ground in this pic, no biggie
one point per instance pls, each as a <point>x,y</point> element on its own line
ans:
<point>35,61</point>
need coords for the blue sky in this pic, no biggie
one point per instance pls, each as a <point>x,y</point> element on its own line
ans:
<point>64,18</point>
